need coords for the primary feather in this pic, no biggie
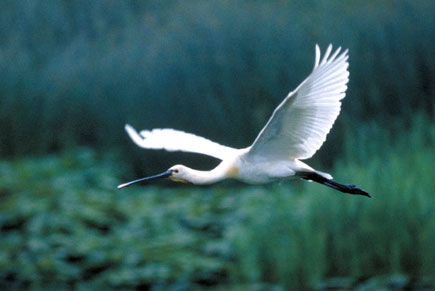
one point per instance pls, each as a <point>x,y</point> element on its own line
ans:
<point>299,125</point>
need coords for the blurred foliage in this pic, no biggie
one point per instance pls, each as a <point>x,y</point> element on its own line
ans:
<point>74,72</point>
<point>64,225</point>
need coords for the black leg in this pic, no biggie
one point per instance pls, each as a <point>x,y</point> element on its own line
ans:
<point>345,188</point>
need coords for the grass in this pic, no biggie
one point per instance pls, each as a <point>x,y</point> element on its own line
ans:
<point>63,223</point>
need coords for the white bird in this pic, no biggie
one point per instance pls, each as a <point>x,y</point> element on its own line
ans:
<point>296,130</point>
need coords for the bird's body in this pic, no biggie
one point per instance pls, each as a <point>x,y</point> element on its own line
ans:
<point>297,129</point>
<point>242,168</point>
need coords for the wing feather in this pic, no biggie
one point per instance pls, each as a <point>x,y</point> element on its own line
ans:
<point>175,140</point>
<point>299,125</point>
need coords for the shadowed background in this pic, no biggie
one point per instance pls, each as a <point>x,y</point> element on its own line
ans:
<point>72,73</point>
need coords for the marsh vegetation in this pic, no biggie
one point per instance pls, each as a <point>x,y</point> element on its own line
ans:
<point>73,73</point>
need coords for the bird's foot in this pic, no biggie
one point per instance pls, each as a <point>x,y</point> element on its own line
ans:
<point>353,189</point>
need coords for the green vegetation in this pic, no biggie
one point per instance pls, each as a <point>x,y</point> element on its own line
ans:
<point>63,224</point>
<point>72,73</point>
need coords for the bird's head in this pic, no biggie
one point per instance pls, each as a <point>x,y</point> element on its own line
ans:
<point>177,173</point>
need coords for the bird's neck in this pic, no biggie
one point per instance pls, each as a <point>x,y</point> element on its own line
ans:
<point>206,177</point>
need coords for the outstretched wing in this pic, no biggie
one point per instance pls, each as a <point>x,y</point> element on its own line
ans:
<point>175,140</point>
<point>299,125</point>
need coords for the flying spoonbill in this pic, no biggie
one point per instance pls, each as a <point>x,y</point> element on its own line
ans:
<point>295,131</point>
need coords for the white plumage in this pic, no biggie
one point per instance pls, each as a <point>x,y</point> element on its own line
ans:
<point>296,130</point>
<point>175,140</point>
<point>299,125</point>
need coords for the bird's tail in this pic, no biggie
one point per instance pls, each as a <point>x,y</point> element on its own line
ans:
<point>323,179</point>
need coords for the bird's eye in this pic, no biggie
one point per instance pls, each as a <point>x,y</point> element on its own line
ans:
<point>176,171</point>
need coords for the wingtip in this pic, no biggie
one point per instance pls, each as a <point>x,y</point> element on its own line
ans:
<point>317,60</point>
<point>130,130</point>
<point>134,135</point>
<point>326,55</point>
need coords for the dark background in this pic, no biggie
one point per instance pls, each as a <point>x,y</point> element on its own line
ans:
<point>72,73</point>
